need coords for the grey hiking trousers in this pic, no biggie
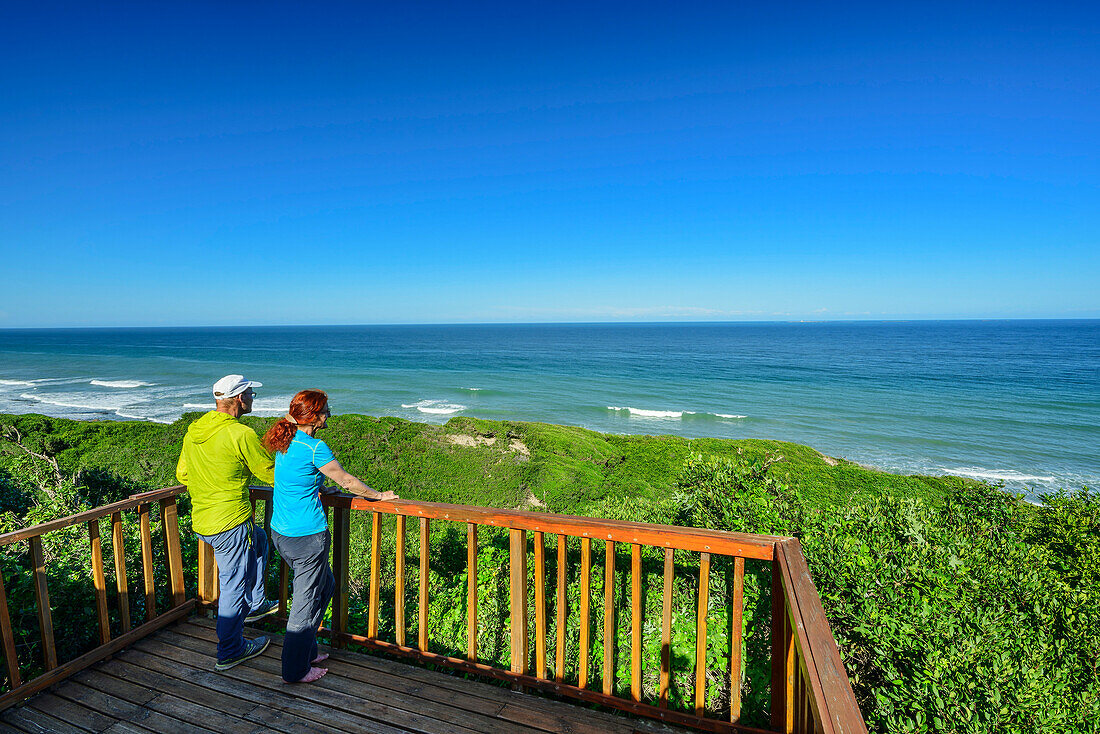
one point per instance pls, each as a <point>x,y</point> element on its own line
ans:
<point>314,584</point>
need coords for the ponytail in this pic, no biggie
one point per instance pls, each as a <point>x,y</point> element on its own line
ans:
<point>279,436</point>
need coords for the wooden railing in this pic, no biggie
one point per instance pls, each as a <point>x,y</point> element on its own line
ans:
<point>810,691</point>
<point>54,670</point>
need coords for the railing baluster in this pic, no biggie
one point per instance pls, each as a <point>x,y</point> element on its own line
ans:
<point>779,652</point>
<point>635,621</point>
<point>788,641</point>
<point>284,586</point>
<point>666,630</point>
<point>422,608</point>
<point>736,635</point>
<point>471,591</point>
<point>10,656</point>
<point>119,546</point>
<point>341,527</point>
<point>540,606</point>
<point>608,618</point>
<point>206,573</point>
<point>375,572</point>
<point>563,549</point>
<point>399,583</point>
<point>701,635</point>
<point>269,505</point>
<point>100,582</point>
<point>517,572</point>
<point>174,560</point>
<point>42,595</point>
<point>147,563</point>
<point>586,592</point>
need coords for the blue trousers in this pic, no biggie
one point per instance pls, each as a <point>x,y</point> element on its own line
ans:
<point>241,555</point>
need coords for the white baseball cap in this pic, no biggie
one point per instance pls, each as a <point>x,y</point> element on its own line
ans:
<point>231,386</point>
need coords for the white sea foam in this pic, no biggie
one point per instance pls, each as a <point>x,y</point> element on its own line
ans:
<point>1006,475</point>
<point>198,405</point>
<point>729,415</point>
<point>471,389</point>
<point>17,383</point>
<point>643,413</point>
<point>121,383</point>
<point>435,407</point>
<point>269,406</point>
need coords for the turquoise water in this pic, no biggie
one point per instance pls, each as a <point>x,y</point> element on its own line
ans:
<point>1012,401</point>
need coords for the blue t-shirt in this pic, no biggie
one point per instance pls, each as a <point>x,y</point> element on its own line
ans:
<point>298,481</point>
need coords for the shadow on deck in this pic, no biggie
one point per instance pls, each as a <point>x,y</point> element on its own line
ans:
<point>165,683</point>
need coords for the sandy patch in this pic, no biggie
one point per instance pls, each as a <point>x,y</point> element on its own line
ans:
<point>520,448</point>
<point>464,440</point>
<point>828,459</point>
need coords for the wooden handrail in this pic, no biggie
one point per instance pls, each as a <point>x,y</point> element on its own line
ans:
<point>810,689</point>
<point>56,670</point>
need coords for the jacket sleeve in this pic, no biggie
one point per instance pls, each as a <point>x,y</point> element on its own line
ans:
<point>256,457</point>
<point>181,465</point>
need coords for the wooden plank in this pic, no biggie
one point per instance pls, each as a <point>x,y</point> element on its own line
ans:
<point>341,526</point>
<point>42,596</point>
<point>635,622</point>
<point>560,609</point>
<point>60,673</point>
<point>701,635</point>
<point>540,606</point>
<point>93,514</point>
<point>609,618</point>
<point>662,536</point>
<point>789,675</point>
<point>471,592</point>
<point>517,596</point>
<point>118,545</point>
<point>778,706</point>
<point>375,572</point>
<point>174,560</point>
<point>99,581</point>
<point>399,585</point>
<point>10,656</point>
<point>736,637</point>
<point>69,712</point>
<point>147,576</point>
<point>422,607</point>
<point>549,686</point>
<point>666,630</point>
<point>586,600</point>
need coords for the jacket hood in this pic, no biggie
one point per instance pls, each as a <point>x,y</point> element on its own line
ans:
<point>209,425</point>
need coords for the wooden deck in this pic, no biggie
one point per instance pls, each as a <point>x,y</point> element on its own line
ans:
<point>166,683</point>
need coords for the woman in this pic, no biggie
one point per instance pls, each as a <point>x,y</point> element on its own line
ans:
<point>298,524</point>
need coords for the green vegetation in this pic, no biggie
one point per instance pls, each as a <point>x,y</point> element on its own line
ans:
<point>957,607</point>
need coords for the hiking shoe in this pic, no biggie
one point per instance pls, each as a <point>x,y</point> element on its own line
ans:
<point>252,648</point>
<point>265,608</point>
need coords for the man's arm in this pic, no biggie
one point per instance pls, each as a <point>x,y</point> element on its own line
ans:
<point>257,459</point>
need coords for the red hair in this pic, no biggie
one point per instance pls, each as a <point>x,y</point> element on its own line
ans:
<point>304,408</point>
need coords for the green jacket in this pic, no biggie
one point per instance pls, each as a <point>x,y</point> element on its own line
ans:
<point>219,457</point>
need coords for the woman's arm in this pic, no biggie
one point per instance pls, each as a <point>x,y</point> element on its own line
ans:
<point>350,483</point>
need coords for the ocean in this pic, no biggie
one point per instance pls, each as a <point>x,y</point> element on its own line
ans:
<point>1007,401</point>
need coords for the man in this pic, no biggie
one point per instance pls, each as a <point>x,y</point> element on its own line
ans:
<point>219,457</point>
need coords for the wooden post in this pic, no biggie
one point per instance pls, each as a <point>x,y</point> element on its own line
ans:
<point>100,582</point>
<point>563,548</point>
<point>399,585</point>
<point>206,574</point>
<point>517,572</point>
<point>540,606</point>
<point>174,559</point>
<point>736,641</point>
<point>10,656</point>
<point>42,596</point>
<point>471,592</point>
<point>119,547</point>
<point>666,630</point>
<point>779,652</point>
<point>375,573</point>
<point>609,618</point>
<point>701,635</point>
<point>422,607</point>
<point>269,508</point>
<point>147,564</point>
<point>635,622</point>
<point>788,636</point>
<point>341,526</point>
<point>585,591</point>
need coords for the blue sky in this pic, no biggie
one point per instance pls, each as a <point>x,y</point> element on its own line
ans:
<point>411,162</point>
